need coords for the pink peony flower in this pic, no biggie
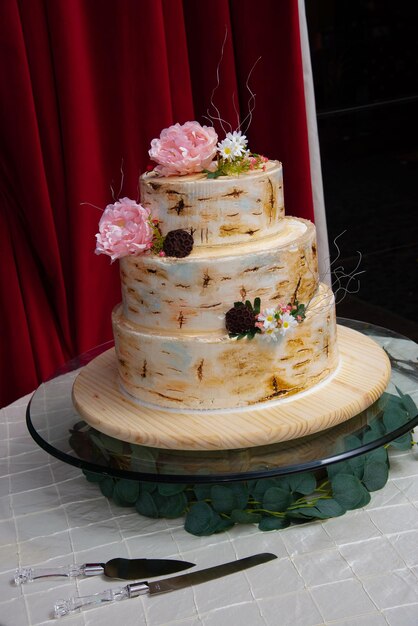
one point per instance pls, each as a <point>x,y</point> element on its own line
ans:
<point>124,229</point>
<point>184,149</point>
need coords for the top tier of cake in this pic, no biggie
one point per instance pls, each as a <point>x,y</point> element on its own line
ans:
<point>225,210</point>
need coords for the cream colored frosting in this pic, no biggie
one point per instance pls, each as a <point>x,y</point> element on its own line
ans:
<point>194,293</point>
<point>217,211</point>
<point>212,371</point>
<point>171,342</point>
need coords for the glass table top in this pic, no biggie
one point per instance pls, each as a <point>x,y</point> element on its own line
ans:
<point>56,426</point>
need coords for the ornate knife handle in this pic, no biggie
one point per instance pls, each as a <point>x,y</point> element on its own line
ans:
<point>64,607</point>
<point>29,574</point>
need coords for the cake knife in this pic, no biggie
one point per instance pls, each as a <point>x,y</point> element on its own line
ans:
<point>124,569</point>
<point>64,607</point>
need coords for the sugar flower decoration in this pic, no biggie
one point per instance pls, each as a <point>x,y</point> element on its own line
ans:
<point>274,323</point>
<point>125,229</point>
<point>184,149</point>
<point>233,146</point>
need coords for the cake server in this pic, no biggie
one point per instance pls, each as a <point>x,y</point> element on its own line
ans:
<point>125,569</point>
<point>64,607</point>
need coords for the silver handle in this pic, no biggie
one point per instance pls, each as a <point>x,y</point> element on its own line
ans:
<point>64,607</point>
<point>29,574</point>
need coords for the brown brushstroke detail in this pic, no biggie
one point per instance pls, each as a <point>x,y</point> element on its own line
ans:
<point>172,191</point>
<point>174,369</point>
<point>155,312</point>
<point>232,214</point>
<point>257,213</point>
<point>206,279</point>
<point>168,301</point>
<point>297,366</point>
<point>165,352</point>
<point>133,309</point>
<point>243,292</point>
<point>203,199</point>
<point>181,319</point>
<point>235,193</point>
<point>251,231</point>
<point>179,207</point>
<point>151,271</point>
<point>226,278</point>
<point>278,296</point>
<point>295,293</point>
<point>204,235</point>
<point>154,186</point>
<point>271,199</point>
<point>209,306</point>
<point>166,397</point>
<point>122,362</point>
<point>200,370</point>
<point>183,286</point>
<point>138,280</point>
<point>144,369</point>
<point>130,290</point>
<point>251,269</point>
<point>163,284</point>
<point>227,229</point>
<point>314,250</point>
<point>274,268</point>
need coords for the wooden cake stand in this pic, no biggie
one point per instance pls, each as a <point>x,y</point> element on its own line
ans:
<point>361,378</point>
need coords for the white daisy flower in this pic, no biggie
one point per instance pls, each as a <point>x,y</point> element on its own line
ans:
<point>287,322</point>
<point>268,319</point>
<point>226,149</point>
<point>233,146</point>
<point>239,142</point>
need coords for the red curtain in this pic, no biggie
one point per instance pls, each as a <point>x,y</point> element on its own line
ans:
<point>86,85</point>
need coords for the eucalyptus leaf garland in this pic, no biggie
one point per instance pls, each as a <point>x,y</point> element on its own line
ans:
<point>271,503</point>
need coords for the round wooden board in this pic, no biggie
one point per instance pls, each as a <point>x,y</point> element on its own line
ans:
<point>361,378</point>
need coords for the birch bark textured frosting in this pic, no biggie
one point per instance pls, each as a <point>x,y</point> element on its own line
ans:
<point>171,341</point>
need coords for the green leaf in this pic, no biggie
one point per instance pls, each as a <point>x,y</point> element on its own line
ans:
<point>145,505</point>
<point>201,520</point>
<point>328,507</point>
<point>142,458</point>
<point>106,487</point>
<point>259,488</point>
<point>172,506</point>
<point>375,475</point>
<point>273,523</point>
<point>170,489</point>
<point>245,517</point>
<point>223,500</point>
<point>342,467</point>
<point>277,499</point>
<point>348,491</point>
<point>148,486</point>
<point>202,492</point>
<point>127,490</point>
<point>226,498</point>
<point>380,454</point>
<point>324,508</point>
<point>257,305</point>
<point>304,483</point>
<point>403,443</point>
<point>93,477</point>
<point>394,415</point>
<point>356,465</point>
<point>408,403</point>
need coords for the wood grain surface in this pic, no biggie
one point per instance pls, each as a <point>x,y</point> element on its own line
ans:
<point>361,378</point>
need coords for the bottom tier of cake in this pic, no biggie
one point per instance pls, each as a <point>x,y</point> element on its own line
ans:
<point>213,371</point>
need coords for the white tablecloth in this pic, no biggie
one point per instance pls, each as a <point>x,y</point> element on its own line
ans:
<point>357,570</point>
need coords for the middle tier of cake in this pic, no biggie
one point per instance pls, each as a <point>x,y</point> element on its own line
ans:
<point>192,294</point>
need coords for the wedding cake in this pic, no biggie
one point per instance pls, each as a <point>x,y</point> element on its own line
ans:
<point>222,307</point>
